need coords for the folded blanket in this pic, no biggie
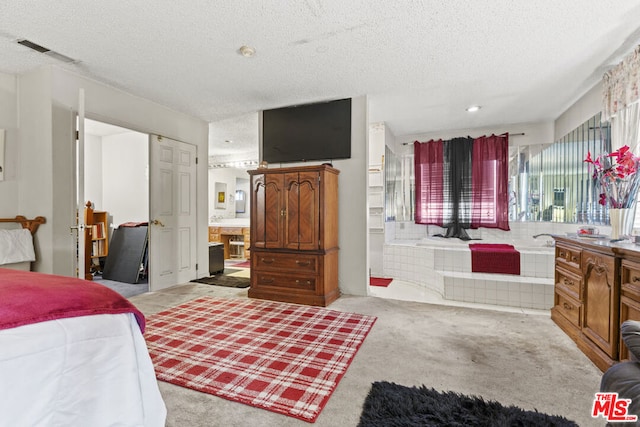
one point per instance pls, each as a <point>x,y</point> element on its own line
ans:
<point>494,258</point>
<point>27,297</point>
<point>16,246</point>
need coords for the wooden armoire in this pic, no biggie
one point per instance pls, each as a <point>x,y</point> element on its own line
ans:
<point>294,234</point>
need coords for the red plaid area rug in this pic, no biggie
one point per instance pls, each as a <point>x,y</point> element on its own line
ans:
<point>285,358</point>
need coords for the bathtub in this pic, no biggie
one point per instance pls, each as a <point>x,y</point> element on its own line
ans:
<point>444,266</point>
<point>544,244</point>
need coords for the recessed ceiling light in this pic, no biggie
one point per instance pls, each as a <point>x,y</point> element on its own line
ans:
<point>247,51</point>
<point>473,108</point>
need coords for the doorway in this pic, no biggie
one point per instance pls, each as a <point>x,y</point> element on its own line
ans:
<point>117,183</point>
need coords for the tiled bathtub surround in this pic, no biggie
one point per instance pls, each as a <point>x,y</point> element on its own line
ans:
<point>444,265</point>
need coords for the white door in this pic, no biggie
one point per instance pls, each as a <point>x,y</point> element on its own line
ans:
<point>79,180</point>
<point>172,212</point>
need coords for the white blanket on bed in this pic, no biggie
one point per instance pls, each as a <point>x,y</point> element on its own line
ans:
<point>16,246</point>
<point>80,371</point>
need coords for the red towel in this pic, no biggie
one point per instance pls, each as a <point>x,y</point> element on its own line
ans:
<point>494,258</point>
<point>379,281</point>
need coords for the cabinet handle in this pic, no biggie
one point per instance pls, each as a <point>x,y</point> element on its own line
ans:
<point>268,261</point>
<point>635,279</point>
<point>567,306</point>
<point>574,258</point>
<point>266,280</point>
<point>283,212</point>
<point>308,282</point>
<point>303,263</point>
<point>562,254</point>
<point>568,282</point>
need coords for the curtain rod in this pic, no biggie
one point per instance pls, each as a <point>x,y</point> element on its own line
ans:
<point>511,134</point>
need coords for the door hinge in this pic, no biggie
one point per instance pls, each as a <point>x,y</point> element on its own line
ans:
<point>196,160</point>
<point>196,265</point>
<point>77,135</point>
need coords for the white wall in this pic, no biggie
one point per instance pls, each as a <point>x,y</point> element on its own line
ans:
<point>354,260</point>
<point>353,274</point>
<point>47,100</point>
<point>9,122</point>
<point>582,110</point>
<point>125,177</point>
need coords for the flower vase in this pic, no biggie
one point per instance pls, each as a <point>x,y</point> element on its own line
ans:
<point>621,221</point>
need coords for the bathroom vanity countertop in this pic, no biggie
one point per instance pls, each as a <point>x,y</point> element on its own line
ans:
<point>603,242</point>
<point>232,222</point>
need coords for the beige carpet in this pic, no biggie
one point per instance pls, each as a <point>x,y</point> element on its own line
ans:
<point>516,359</point>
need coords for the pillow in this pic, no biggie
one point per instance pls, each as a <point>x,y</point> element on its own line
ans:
<point>630,331</point>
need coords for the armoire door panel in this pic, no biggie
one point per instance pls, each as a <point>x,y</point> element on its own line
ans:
<point>292,209</point>
<point>257,212</point>
<point>309,211</point>
<point>273,212</point>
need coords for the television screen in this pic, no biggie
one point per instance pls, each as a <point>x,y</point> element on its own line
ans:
<point>319,131</point>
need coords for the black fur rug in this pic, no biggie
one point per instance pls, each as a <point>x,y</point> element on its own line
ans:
<point>393,405</point>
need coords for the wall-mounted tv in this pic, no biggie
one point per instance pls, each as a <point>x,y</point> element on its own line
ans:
<point>320,131</point>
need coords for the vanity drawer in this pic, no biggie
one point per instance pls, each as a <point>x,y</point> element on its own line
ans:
<point>630,275</point>
<point>569,308</point>
<point>569,282</point>
<point>263,279</point>
<point>214,235</point>
<point>231,231</point>
<point>307,264</point>
<point>569,257</point>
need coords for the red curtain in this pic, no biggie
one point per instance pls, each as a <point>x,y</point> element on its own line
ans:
<point>435,194</point>
<point>489,182</point>
<point>429,167</point>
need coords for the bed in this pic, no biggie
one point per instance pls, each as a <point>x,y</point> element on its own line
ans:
<point>16,245</point>
<point>72,353</point>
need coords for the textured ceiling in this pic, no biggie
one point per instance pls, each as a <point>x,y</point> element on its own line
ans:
<point>421,63</point>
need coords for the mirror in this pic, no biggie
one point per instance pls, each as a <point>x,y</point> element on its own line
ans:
<point>240,201</point>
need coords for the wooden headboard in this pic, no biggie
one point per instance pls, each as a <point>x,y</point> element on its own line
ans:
<point>31,224</point>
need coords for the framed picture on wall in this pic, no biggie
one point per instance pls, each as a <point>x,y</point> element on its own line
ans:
<point>220,195</point>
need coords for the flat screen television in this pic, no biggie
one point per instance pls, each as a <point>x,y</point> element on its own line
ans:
<point>320,131</point>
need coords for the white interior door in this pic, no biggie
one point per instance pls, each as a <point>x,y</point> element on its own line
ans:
<point>80,203</point>
<point>172,212</point>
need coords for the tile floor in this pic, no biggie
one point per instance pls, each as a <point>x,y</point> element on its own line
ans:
<point>406,291</point>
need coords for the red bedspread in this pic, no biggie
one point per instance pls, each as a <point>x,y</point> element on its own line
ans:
<point>28,297</point>
<point>494,258</point>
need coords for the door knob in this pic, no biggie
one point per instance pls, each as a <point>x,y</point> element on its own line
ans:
<point>157,222</point>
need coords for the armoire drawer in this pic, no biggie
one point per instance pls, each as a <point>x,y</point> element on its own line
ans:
<point>298,263</point>
<point>268,279</point>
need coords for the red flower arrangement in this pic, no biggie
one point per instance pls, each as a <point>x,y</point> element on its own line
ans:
<point>617,173</point>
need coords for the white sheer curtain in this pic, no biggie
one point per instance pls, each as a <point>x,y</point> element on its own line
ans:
<point>625,128</point>
<point>621,96</point>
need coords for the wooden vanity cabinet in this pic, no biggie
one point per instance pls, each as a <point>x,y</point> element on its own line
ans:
<point>629,295</point>
<point>588,304</point>
<point>294,234</point>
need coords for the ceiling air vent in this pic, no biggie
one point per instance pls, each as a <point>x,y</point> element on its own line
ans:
<point>46,51</point>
